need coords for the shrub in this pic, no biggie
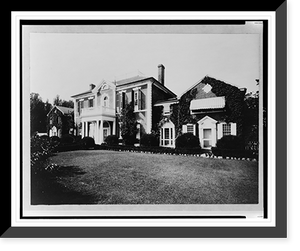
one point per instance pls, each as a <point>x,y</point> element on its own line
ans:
<point>87,142</point>
<point>187,140</point>
<point>54,139</point>
<point>129,140</point>
<point>149,140</point>
<point>112,140</point>
<point>230,142</point>
<point>67,139</point>
<point>45,137</point>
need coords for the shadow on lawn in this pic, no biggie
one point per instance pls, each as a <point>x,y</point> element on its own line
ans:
<point>46,190</point>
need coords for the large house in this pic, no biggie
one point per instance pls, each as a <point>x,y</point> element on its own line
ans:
<point>209,109</point>
<point>96,110</point>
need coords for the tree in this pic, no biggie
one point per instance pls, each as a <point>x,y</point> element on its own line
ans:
<point>60,102</point>
<point>128,125</point>
<point>38,113</point>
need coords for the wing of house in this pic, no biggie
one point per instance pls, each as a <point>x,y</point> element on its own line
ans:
<point>209,109</point>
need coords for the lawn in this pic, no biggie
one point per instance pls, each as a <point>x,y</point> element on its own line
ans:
<point>108,177</point>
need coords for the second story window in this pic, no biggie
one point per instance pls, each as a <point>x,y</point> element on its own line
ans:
<point>91,102</point>
<point>105,101</point>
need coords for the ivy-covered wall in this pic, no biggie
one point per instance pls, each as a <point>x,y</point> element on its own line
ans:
<point>234,104</point>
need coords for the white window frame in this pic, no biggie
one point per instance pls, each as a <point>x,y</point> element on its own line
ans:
<point>105,101</point>
<point>220,133</point>
<point>185,128</point>
<point>170,141</point>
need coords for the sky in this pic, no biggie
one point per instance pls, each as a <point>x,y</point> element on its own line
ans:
<point>65,64</point>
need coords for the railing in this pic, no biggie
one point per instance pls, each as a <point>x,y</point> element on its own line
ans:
<point>93,111</point>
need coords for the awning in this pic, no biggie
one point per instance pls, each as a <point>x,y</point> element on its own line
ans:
<point>208,103</point>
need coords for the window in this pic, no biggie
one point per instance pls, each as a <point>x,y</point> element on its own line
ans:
<point>78,107</point>
<point>135,98</point>
<point>105,102</point>
<point>91,102</point>
<point>190,128</point>
<point>226,129</point>
<point>167,135</point>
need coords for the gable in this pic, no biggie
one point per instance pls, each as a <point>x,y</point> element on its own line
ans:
<point>204,91</point>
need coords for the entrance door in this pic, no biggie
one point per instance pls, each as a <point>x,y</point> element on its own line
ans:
<point>106,130</point>
<point>207,137</point>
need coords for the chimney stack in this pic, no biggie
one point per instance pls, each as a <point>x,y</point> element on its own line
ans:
<point>92,86</point>
<point>161,74</point>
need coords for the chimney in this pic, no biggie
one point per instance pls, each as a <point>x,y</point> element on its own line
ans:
<point>161,74</point>
<point>92,86</point>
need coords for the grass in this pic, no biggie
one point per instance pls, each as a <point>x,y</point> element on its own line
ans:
<point>108,177</point>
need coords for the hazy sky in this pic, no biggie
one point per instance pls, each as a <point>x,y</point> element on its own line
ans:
<point>65,64</point>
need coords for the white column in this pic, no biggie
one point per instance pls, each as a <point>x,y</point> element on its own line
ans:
<point>97,141</point>
<point>101,131</point>
<point>114,127</point>
<point>86,133</point>
<point>214,135</point>
<point>149,108</point>
<point>83,129</point>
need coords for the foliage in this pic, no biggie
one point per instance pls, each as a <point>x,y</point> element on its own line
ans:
<point>40,150</point>
<point>38,113</point>
<point>234,101</point>
<point>187,140</point>
<point>157,116</point>
<point>251,112</point>
<point>60,102</point>
<point>128,125</point>
<point>54,139</point>
<point>87,142</point>
<point>181,112</point>
<point>67,139</point>
<point>112,140</point>
<point>230,142</point>
<point>150,140</point>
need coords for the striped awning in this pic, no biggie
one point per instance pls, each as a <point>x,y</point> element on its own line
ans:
<point>208,103</point>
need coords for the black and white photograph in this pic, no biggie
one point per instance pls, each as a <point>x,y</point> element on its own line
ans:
<point>168,116</point>
<point>144,118</point>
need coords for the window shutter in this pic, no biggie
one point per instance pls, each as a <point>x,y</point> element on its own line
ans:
<point>233,129</point>
<point>139,100</point>
<point>220,130</point>
<point>132,97</point>
<point>184,129</point>
<point>121,100</point>
<point>118,102</point>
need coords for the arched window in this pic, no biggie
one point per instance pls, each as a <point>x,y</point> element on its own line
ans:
<point>106,101</point>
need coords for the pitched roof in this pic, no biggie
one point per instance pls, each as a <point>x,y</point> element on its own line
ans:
<point>207,103</point>
<point>64,110</point>
<point>130,80</point>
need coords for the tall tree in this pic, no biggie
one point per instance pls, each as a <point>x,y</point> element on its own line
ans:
<point>128,124</point>
<point>60,102</point>
<point>38,113</point>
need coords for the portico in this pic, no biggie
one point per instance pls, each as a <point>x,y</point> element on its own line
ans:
<point>98,128</point>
